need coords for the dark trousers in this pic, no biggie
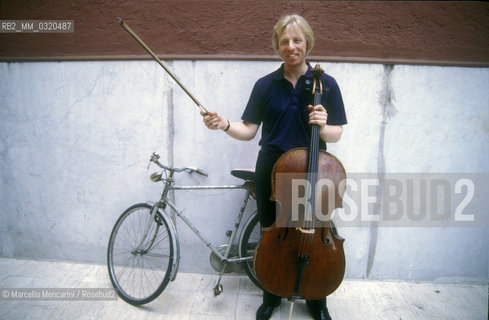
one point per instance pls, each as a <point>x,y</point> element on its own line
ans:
<point>266,208</point>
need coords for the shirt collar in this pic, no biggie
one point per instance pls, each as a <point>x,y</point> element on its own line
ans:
<point>279,73</point>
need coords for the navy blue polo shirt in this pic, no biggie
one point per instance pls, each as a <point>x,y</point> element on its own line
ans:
<point>282,109</point>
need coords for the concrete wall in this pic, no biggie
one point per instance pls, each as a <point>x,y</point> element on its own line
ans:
<point>75,139</point>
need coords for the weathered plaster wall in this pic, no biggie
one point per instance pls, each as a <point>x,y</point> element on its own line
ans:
<point>75,139</point>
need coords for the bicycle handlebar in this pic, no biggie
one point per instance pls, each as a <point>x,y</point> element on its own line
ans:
<point>154,158</point>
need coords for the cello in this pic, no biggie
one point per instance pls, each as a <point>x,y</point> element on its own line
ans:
<point>300,256</point>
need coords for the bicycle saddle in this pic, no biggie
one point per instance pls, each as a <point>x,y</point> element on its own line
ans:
<point>244,174</point>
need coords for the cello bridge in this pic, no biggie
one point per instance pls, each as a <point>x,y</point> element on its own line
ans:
<point>307,231</point>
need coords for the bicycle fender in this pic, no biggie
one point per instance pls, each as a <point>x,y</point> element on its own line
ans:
<point>175,244</point>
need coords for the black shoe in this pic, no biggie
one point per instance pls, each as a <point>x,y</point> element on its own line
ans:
<point>265,311</point>
<point>319,313</point>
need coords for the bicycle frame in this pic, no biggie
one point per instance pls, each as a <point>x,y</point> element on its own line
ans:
<point>197,232</point>
<point>165,202</point>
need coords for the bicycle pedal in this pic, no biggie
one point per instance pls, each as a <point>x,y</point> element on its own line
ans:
<point>218,289</point>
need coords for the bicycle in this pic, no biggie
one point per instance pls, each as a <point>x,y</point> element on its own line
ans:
<point>143,253</point>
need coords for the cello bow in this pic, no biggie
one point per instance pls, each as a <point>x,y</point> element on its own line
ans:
<point>174,77</point>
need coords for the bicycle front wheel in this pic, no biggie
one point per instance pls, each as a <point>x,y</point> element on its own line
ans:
<point>140,254</point>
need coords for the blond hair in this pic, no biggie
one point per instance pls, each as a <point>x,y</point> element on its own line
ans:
<point>301,22</point>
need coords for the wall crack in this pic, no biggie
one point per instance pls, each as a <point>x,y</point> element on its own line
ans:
<point>388,110</point>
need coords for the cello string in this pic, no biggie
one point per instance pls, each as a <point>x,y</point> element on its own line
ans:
<point>312,175</point>
<point>314,159</point>
<point>309,223</point>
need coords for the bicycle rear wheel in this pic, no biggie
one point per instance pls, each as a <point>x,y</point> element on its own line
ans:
<point>140,265</point>
<point>249,239</point>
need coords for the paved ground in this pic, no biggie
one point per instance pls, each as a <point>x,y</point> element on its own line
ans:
<point>190,296</point>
